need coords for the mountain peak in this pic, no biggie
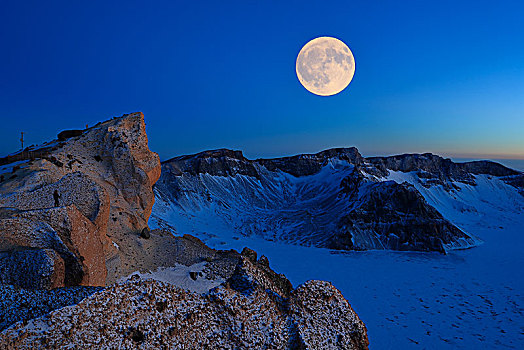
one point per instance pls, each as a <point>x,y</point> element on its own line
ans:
<point>215,153</point>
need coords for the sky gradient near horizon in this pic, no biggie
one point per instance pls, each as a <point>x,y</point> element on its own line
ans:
<point>445,77</point>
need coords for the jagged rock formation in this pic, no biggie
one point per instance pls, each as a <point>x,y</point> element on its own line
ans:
<point>162,250</point>
<point>401,219</point>
<point>74,212</point>
<point>68,204</point>
<point>336,198</point>
<point>256,309</point>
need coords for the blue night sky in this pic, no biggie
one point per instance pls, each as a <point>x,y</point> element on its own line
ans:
<point>431,76</point>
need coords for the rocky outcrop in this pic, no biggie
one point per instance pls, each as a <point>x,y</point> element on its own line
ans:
<point>21,305</point>
<point>397,217</point>
<point>71,243</point>
<point>21,301</point>
<point>220,162</point>
<point>251,274</point>
<point>32,268</point>
<point>67,134</point>
<point>318,303</point>
<point>263,311</point>
<point>67,203</point>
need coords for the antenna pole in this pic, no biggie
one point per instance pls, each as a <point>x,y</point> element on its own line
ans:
<point>22,139</point>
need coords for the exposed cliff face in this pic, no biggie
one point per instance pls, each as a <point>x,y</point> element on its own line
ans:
<point>399,218</point>
<point>256,308</point>
<point>310,164</point>
<point>336,198</point>
<point>66,203</point>
<point>437,170</point>
<point>225,162</point>
<point>432,163</point>
<point>221,162</point>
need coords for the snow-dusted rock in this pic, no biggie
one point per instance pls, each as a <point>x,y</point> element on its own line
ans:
<point>250,274</point>
<point>314,307</point>
<point>388,215</point>
<point>32,268</point>
<point>149,314</point>
<point>17,304</point>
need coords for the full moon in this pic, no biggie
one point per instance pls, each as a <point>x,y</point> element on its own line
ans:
<point>325,66</point>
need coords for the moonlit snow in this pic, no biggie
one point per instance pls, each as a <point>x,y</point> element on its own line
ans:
<point>178,275</point>
<point>466,299</point>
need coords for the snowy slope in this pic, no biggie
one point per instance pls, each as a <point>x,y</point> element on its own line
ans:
<point>489,201</point>
<point>278,206</point>
<point>331,203</point>
<point>467,299</point>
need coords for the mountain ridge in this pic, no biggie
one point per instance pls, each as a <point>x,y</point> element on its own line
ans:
<point>477,166</point>
<point>203,181</point>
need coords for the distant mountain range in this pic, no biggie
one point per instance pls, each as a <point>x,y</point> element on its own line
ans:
<point>335,199</point>
<point>517,164</point>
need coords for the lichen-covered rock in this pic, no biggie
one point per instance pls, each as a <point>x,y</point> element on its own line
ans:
<point>250,274</point>
<point>89,189</point>
<point>155,315</point>
<point>72,189</point>
<point>32,268</point>
<point>18,304</point>
<point>80,245</point>
<point>324,319</point>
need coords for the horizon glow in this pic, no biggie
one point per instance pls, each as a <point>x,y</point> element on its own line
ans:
<point>445,78</point>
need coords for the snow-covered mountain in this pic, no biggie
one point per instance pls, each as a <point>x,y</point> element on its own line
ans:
<point>334,199</point>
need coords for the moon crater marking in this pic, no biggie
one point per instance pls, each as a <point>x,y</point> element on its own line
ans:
<point>325,66</point>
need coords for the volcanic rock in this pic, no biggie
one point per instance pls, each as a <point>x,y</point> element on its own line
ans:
<point>155,315</point>
<point>399,218</point>
<point>77,196</point>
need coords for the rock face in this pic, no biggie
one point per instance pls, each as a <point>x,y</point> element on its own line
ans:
<point>256,308</point>
<point>250,274</point>
<point>318,303</point>
<point>443,167</point>
<point>221,162</point>
<point>310,164</point>
<point>67,204</point>
<point>225,162</point>
<point>436,170</point>
<point>400,219</point>
<point>335,199</point>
